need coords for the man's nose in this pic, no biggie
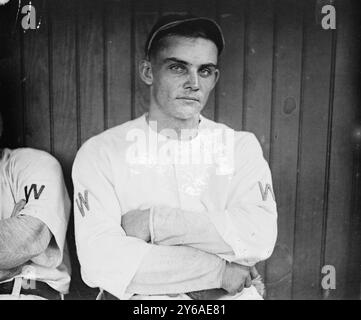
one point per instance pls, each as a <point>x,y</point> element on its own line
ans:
<point>192,81</point>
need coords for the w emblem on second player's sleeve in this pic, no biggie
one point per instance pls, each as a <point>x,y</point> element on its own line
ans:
<point>82,201</point>
<point>36,192</point>
<point>264,191</point>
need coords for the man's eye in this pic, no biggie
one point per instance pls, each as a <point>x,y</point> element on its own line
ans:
<point>177,68</point>
<point>206,72</point>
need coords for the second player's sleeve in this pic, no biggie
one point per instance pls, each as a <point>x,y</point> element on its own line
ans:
<point>40,182</point>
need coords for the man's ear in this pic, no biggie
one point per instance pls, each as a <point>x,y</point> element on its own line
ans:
<point>145,72</point>
<point>216,77</point>
<point>217,74</point>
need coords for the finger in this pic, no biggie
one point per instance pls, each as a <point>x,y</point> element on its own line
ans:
<point>22,204</point>
<point>18,207</point>
<point>15,211</point>
<point>240,288</point>
<point>254,272</point>
<point>248,282</point>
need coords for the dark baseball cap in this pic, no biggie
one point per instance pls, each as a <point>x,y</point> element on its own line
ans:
<point>170,21</point>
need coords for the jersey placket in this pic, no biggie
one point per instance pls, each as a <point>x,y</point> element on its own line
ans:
<point>190,178</point>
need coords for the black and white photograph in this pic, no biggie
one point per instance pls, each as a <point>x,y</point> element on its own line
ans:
<point>180,150</point>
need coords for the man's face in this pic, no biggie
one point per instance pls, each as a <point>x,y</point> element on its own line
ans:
<point>184,73</point>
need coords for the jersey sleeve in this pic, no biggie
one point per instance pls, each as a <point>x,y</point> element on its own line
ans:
<point>174,226</point>
<point>39,181</point>
<point>247,220</point>
<point>108,258</point>
<point>239,223</point>
<point>177,269</point>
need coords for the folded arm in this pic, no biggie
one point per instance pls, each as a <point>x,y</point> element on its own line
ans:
<point>171,227</point>
<point>121,264</point>
<point>171,270</point>
<point>241,227</point>
<point>21,239</point>
<point>36,228</point>
<point>240,220</point>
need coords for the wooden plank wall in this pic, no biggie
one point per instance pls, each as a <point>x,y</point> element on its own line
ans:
<point>283,77</point>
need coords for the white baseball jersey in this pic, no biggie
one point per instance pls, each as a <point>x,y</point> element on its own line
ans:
<point>36,177</point>
<point>220,172</point>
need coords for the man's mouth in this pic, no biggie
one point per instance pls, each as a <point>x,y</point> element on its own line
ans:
<point>188,99</point>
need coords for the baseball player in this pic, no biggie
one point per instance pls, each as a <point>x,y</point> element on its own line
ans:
<point>34,212</point>
<point>172,205</point>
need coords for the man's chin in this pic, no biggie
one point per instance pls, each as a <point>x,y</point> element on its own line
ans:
<point>187,116</point>
<point>186,113</point>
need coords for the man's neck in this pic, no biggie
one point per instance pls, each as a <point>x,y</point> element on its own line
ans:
<point>183,127</point>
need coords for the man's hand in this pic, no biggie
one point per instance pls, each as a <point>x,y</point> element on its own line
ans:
<point>257,281</point>
<point>136,224</point>
<point>18,207</point>
<point>235,278</point>
<point>254,273</point>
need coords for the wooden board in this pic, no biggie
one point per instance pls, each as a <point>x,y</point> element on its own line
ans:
<point>11,97</point>
<point>173,6</point>
<point>62,16</point>
<point>312,158</point>
<point>284,141</point>
<point>340,250</point>
<point>257,77</point>
<point>232,19</point>
<point>117,63</point>
<point>63,26</point>
<point>37,76</point>
<point>258,72</point>
<point>90,69</point>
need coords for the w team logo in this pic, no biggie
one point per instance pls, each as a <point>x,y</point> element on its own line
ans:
<point>265,190</point>
<point>35,190</point>
<point>82,202</point>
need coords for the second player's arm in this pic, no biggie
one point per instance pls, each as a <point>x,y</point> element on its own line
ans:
<point>27,233</point>
<point>21,239</point>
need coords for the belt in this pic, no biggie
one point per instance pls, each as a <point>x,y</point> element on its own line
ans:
<point>38,288</point>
